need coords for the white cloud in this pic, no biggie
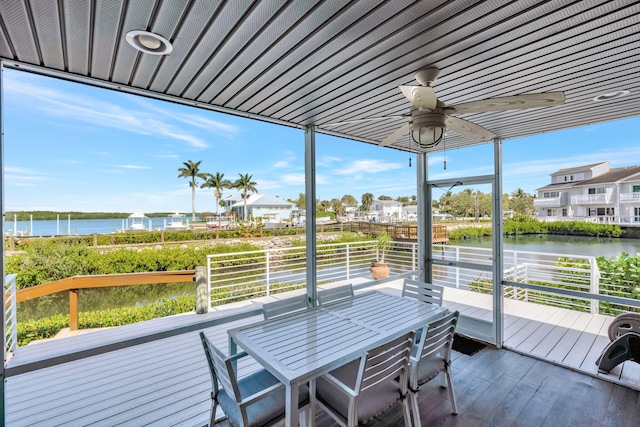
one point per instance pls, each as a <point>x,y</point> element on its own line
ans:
<point>23,177</point>
<point>281,164</point>
<point>133,167</point>
<point>95,111</point>
<point>293,178</point>
<point>368,166</point>
<point>326,161</point>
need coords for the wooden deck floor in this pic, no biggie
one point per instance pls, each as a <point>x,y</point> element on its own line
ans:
<point>166,382</point>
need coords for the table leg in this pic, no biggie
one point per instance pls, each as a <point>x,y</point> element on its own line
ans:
<point>291,405</point>
<point>233,349</point>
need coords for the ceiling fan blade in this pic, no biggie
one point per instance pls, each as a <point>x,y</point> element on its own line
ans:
<point>368,119</point>
<point>529,100</point>
<point>420,96</point>
<point>469,130</point>
<point>397,134</point>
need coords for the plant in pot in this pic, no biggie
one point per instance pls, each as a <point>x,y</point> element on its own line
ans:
<point>379,268</point>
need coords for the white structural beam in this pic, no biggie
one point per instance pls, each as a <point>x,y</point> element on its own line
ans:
<point>310,212</point>
<point>498,240</point>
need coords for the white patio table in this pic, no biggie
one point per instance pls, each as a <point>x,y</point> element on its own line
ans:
<point>302,346</point>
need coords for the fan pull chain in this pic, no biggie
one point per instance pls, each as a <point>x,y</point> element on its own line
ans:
<point>444,147</point>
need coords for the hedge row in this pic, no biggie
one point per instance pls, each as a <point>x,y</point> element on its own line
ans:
<point>47,260</point>
<point>48,327</point>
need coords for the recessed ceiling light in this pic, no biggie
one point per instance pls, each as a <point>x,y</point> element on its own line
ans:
<point>611,95</point>
<point>147,42</point>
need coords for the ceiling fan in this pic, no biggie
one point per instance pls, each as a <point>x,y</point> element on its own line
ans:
<point>430,117</point>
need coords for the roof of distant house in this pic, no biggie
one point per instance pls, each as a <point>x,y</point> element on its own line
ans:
<point>578,168</point>
<point>613,175</point>
<point>263,200</point>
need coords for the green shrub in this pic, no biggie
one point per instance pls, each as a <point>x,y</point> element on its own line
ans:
<point>48,327</point>
<point>47,260</point>
<point>461,233</point>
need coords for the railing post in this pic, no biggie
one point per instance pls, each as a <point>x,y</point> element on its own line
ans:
<point>457,268</point>
<point>348,261</point>
<point>73,309</point>
<point>414,256</point>
<point>515,274</point>
<point>202,290</point>
<point>268,272</point>
<point>594,284</point>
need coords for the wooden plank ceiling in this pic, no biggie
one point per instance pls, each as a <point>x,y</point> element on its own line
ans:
<point>324,62</point>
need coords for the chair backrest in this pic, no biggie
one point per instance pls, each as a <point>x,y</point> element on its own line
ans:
<point>439,337</point>
<point>221,370</point>
<point>326,296</point>
<point>284,306</point>
<point>422,291</point>
<point>385,363</point>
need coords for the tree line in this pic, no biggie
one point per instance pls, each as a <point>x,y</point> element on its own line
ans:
<point>467,203</point>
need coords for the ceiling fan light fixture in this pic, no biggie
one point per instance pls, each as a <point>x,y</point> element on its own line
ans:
<point>611,95</point>
<point>147,42</point>
<point>427,129</point>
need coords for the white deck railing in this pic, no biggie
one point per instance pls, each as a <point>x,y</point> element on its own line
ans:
<point>253,274</point>
<point>245,275</point>
<point>10,315</point>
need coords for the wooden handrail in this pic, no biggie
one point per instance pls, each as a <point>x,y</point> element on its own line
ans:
<point>73,284</point>
<point>104,281</point>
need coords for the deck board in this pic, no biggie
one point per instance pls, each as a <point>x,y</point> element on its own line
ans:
<point>166,381</point>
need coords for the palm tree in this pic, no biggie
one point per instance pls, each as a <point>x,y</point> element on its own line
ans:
<point>245,185</point>
<point>218,183</point>
<point>191,171</point>
<point>367,201</point>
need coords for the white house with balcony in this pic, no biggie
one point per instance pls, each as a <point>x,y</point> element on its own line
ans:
<point>595,192</point>
<point>270,208</point>
<point>386,210</point>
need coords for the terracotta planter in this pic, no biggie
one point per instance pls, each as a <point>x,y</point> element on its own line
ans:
<point>379,269</point>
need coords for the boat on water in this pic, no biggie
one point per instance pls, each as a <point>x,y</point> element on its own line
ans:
<point>177,222</point>
<point>137,222</point>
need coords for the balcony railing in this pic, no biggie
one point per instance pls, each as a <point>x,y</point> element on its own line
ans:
<point>548,202</point>
<point>630,197</point>
<point>591,199</point>
<point>234,277</point>
<point>254,274</point>
<point>10,315</point>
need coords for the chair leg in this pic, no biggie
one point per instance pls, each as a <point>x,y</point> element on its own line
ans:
<point>214,407</point>
<point>452,395</point>
<point>406,412</point>
<point>416,411</point>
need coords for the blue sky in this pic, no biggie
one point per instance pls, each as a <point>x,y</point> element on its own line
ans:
<point>74,147</point>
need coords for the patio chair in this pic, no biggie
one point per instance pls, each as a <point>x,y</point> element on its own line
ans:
<point>284,306</point>
<point>255,400</point>
<point>367,386</point>
<point>623,323</point>
<point>338,293</point>
<point>431,357</point>
<point>422,291</point>
<point>626,347</point>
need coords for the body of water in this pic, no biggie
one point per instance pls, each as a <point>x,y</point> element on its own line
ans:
<point>571,245</point>
<point>73,227</point>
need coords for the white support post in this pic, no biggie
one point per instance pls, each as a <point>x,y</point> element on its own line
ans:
<point>498,260</point>
<point>310,212</point>
<point>425,238</point>
<point>2,254</point>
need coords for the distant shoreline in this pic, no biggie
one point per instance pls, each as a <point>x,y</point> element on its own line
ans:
<point>53,215</point>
